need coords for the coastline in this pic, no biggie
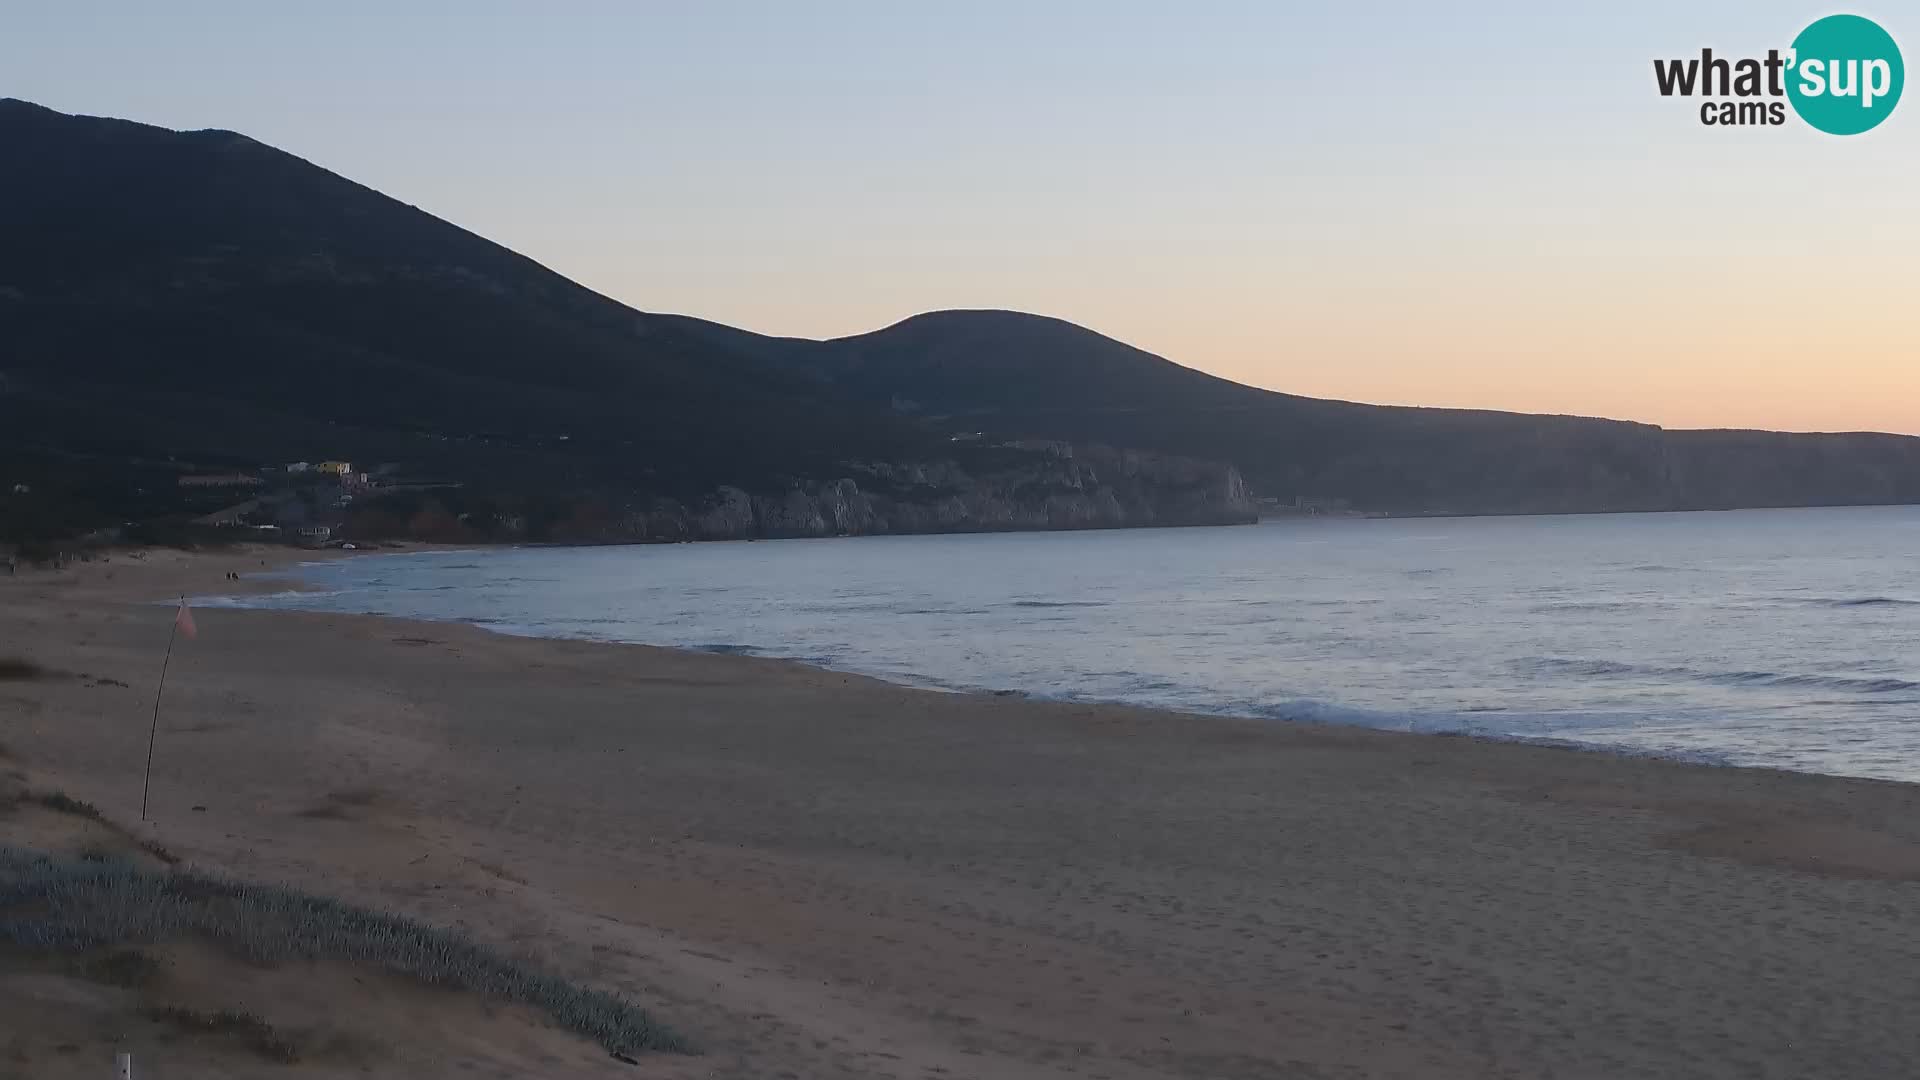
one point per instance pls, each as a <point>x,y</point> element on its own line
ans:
<point>930,685</point>
<point>831,875</point>
<point>1291,711</point>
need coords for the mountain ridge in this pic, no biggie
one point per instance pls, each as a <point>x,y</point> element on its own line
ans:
<point>1016,375</point>
<point>205,297</point>
<point>174,302</point>
<point>938,313</point>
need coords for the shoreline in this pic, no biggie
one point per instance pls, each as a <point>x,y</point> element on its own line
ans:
<point>833,876</point>
<point>285,570</point>
<point>1700,757</point>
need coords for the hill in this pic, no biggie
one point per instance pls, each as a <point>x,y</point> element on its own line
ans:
<point>177,302</point>
<point>210,297</point>
<point>1008,374</point>
<point>199,300</point>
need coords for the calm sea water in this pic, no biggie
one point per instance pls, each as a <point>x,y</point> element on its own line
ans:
<point>1788,638</point>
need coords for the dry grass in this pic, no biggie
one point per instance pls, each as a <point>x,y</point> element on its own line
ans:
<point>62,803</point>
<point>78,906</point>
<point>129,969</point>
<point>16,667</point>
<point>256,1034</point>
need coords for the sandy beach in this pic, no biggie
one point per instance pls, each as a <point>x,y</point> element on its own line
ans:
<point>819,875</point>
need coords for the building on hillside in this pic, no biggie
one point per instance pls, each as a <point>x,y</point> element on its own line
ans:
<point>315,535</point>
<point>298,467</point>
<point>337,468</point>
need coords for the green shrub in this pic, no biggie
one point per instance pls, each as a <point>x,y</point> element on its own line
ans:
<point>72,905</point>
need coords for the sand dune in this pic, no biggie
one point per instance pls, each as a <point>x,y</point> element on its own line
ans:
<point>819,875</point>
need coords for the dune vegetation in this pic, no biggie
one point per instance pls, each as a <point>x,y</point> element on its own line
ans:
<point>97,909</point>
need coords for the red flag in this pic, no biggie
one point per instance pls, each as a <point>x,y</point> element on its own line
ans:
<point>184,621</point>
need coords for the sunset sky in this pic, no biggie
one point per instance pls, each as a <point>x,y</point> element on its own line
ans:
<point>1487,207</point>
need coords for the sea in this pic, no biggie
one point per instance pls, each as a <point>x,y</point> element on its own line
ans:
<point>1780,638</point>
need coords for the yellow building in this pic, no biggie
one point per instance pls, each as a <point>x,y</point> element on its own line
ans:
<point>337,468</point>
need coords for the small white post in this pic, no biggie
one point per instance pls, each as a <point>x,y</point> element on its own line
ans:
<point>123,1067</point>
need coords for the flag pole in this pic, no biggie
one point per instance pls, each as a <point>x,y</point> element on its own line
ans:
<point>146,782</point>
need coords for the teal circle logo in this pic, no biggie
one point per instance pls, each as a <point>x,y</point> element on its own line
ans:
<point>1846,74</point>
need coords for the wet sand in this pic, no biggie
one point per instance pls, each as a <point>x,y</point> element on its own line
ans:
<point>820,875</point>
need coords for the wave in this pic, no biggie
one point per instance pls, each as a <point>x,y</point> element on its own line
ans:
<point>289,598</point>
<point>1576,731</point>
<point>1059,603</point>
<point>888,607</point>
<point>1887,685</point>
<point>1876,602</point>
<point>1590,668</point>
<point>1584,667</point>
<point>1591,606</point>
<point>1849,601</point>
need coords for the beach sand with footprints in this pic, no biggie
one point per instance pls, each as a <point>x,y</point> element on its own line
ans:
<point>811,874</point>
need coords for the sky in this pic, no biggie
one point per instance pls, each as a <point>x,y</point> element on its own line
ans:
<point>1488,205</point>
